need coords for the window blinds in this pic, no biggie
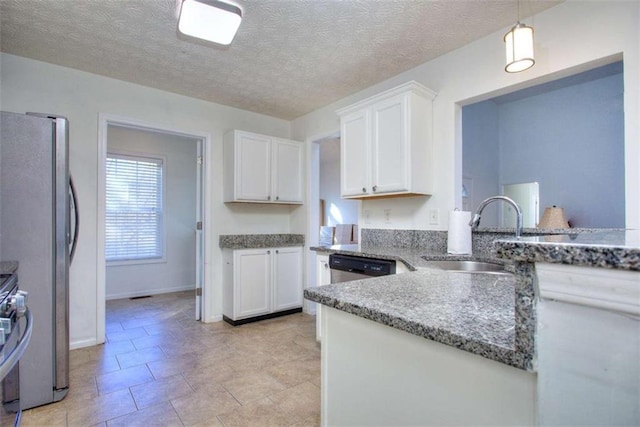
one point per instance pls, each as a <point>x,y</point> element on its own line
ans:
<point>134,208</point>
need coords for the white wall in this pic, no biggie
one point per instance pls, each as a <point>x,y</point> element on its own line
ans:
<point>177,271</point>
<point>570,37</point>
<point>29,85</point>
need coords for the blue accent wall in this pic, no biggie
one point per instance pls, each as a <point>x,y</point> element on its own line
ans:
<point>567,135</point>
<point>481,154</point>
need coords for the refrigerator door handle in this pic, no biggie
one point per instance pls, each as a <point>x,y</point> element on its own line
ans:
<point>76,214</point>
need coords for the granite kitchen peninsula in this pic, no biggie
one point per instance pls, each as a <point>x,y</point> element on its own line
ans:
<point>433,315</point>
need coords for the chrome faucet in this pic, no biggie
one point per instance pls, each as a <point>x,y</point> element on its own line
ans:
<point>475,222</point>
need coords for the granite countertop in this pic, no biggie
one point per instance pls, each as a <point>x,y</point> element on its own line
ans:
<point>617,249</point>
<point>492,316</point>
<point>8,267</point>
<point>411,257</point>
<point>253,241</point>
<point>472,312</point>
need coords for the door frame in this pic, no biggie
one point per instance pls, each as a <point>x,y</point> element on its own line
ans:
<point>313,194</point>
<point>104,121</point>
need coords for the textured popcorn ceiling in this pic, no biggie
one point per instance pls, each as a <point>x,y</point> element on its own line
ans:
<point>289,57</point>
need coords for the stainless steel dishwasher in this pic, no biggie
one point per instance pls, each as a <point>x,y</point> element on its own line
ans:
<point>345,268</point>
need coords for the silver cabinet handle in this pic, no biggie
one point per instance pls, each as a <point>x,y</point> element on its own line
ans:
<point>326,265</point>
<point>269,252</point>
<point>277,197</point>
<point>375,187</point>
<point>364,189</point>
<point>268,197</point>
<point>277,251</point>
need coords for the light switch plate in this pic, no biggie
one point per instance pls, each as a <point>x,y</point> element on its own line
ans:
<point>367,216</point>
<point>387,216</point>
<point>434,217</point>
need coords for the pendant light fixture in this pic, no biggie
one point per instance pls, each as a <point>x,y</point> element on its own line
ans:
<point>212,20</point>
<point>519,44</point>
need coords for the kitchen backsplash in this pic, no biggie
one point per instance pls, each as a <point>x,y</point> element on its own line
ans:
<point>436,241</point>
<point>431,240</point>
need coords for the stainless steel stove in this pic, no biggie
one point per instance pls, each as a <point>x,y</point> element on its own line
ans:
<point>15,332</point>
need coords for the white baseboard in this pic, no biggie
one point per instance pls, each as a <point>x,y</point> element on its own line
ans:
<point>139,293</point>
<point>309,307</point>
<point>83,343</point>
<point>213,319</point>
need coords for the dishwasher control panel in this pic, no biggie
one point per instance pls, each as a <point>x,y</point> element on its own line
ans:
<point>362,265</point>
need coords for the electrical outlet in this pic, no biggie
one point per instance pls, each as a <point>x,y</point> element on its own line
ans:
<point>387,216</point>
<point>367,216</point>
<point>434,217</point>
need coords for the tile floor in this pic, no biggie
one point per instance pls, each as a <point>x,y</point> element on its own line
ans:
<point>159,367</point>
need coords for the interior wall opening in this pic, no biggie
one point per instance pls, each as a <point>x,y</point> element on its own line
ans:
<point>565,136</point>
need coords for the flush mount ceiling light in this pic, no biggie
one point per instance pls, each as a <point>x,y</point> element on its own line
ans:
<point>519,44</point>
<point>212,20</point>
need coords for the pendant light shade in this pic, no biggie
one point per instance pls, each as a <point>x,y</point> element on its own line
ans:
<point>212,20</point>
<point>519,44</point>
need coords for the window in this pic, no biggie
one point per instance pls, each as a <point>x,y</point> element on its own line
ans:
<point>134,208</point>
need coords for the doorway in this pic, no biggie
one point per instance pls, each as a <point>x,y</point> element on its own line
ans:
<point>327,209</point>
<point>180,238</point>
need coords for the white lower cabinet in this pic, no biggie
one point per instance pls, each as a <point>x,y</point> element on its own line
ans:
<point>287,278</point>
<point>261,282</point>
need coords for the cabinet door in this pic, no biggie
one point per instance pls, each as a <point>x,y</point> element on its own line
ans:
<point>252,290</point>
<point>390,166</point>
<point>286,171</point>
<point>354,151</point>
<point>287,278</point>
<point>253,167</point>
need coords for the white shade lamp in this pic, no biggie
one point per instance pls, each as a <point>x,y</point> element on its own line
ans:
<point>519,45</point>
<point>553,217</point>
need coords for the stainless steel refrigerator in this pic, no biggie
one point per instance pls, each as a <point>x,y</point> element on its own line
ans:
<point>38,228</point>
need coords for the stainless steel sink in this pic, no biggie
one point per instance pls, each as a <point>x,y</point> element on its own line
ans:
<point>466,266</point>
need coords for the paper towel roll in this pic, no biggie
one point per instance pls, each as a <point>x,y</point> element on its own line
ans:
<point>459,236</point>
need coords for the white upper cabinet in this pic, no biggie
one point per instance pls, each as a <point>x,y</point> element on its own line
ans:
<point>286,184</point>
<point>386,146</point>
<point>262,169</point>
<point>354,155</point>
